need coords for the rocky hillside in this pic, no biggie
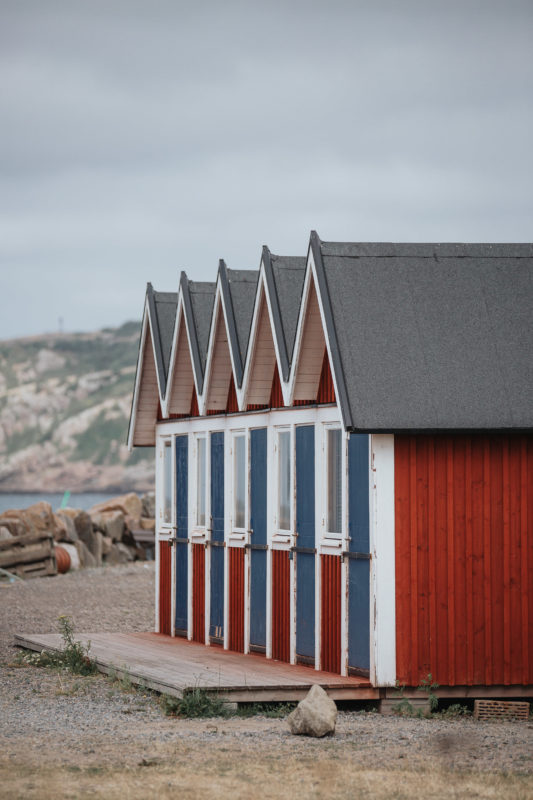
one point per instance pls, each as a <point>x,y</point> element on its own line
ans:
<point>64,408</point>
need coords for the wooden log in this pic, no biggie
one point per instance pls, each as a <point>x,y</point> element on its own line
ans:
<point>25,555</point>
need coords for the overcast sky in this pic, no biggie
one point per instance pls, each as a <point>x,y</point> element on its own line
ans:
<point>141,138</point>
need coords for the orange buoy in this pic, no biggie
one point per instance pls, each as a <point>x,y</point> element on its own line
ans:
<point>62,558</point>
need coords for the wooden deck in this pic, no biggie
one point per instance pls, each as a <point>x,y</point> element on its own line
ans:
<point>175,666</point>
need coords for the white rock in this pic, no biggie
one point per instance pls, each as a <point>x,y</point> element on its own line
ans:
<point>315,715</point>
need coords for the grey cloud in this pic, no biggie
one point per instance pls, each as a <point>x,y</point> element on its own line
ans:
<point>139,138</point>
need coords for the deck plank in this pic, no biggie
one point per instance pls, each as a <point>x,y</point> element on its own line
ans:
<point>175,665</point>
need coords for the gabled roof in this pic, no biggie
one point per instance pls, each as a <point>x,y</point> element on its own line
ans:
<point>162,312</point>
<point>285,279</point>
<point>238,288</point>
<point>198,299</point>
<point>431,336</point>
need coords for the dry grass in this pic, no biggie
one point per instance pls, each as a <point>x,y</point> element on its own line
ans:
<point>231,772</point>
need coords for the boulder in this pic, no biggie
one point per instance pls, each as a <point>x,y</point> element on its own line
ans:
<point>126,551</point>
<point>127,503</point>
<point>40,516</point>
<point>13,523</point>
<point>315,715</point>
<point>5,533</point>
<point>85,556</point>
<point>113,524</point>
<point>97,547</point>
<point>148,524</point>
<point>133,523</point>
<point>107,544</point>
<point>82,523</point>
<point>67,521</point>
<point>60,527</point>
<point>148,504</point>
<point>116,556</point>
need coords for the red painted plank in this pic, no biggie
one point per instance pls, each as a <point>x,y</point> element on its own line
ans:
<point>165,573</point>
<point>276,395</point>
<point>326,389</point>
<point>281,605</point>
<point>198,592</point>
<point>330,639</point>
<point>464,564</point>
<point>236,599</point>
<point>231,404</point>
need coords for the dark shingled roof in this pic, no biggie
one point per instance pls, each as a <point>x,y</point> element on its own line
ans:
<point>242,286</point>
<point>202,296</point>
<point>289,275</point>
<point>431,336</point>
<point>166,304</point>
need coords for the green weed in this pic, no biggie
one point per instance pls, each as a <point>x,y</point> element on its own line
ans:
<point>196,703</point>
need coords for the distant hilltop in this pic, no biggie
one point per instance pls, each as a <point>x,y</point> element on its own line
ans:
<point>64,408</point>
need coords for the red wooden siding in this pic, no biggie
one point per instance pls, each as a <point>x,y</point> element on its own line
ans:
<point>165,578</point>
<point>236,599</point>
<point>330,603</point>
<point>198,593</point>
<point>281,597</point>
<point>276,395</point>
<point>464,566</point>
<point>232,406</point>
<point>194,404</point>
<point>326,390</point>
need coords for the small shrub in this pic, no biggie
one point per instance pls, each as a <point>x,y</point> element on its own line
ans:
<point>74,656</point>
<point>455,710</point>
<point>427,685</point>
<point>196,703</point>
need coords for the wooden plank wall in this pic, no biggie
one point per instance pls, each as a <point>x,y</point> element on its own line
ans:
<point>165,584</point>
<point>198,592</point>
<point>221,371</point>
<point>236,599</point>
<point>148,403</point>
<point>311,353</point>
<point>464,564</point>
<point>263,360</point>
<point>281,602</point>
<point>330,602</point>
<point>182,381</point>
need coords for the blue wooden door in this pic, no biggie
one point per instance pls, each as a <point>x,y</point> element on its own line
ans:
<point>359,555</point>
<point>216,618</point>
<point>258,523</point>
<point>182,533</point>
<point>305,549</point>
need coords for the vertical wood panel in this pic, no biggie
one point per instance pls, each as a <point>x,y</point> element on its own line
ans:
<point>326,389</point>
<point>330,640</point>
<point>164,587</point>
<point>198,593</point>
<point>236,599</point>
<point>281,605</point>
<point>464,577</point>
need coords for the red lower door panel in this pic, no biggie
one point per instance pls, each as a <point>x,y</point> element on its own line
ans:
<point>236,599</point>
<point>330,651</point>
<point>281,614</point>
<point>165,577</point>
<point>198,593</point>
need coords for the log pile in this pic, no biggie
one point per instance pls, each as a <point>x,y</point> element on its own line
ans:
<point>114,532</point>
<point>29,556</point>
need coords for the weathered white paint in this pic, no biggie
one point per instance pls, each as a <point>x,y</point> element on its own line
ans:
<point>382,548</point>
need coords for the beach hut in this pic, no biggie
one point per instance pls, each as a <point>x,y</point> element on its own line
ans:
<point>344,460</point>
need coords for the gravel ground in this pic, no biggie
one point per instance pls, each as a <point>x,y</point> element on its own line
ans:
<point>52,718</point>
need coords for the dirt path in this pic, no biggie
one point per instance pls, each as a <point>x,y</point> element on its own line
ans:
<point>63,736</point>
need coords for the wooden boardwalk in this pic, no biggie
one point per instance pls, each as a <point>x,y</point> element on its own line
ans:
<point>175,666</point>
